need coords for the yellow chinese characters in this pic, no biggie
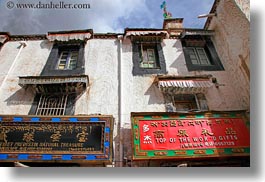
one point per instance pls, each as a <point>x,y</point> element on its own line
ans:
<point>56,136</point>
<point>82,137</point>
<point>28,137</point>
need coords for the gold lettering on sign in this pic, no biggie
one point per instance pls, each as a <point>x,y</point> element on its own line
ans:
<point>56,136</point>
<point>28,137</point>
<point>3,136</point>
<point>160,153</point>
<point>209,122</point>
<point>159,134</point>
<point>164,124</point>
<point>82,137</point>
<point>218,121</point>
<point>182,133</point>
<point>173,123</point>
<point>191,123</point>
<point>154,124</point>
<point>230,131</point>
<point>199,122</point>
<point>180,123</point>
<point>206,132</point>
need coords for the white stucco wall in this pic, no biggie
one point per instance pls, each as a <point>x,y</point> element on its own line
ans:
<point>101,97</point>
<point>30,62</point>
<point>100,65</point>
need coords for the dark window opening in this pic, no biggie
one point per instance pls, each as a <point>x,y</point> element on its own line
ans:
<point>186,102</point>
<point>65,59</point>
<point>200,54</point>
<point>148,56</point>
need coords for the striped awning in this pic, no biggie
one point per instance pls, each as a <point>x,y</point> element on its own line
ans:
<point>184,86</point>
<point>67,37</point>
<point>142,33</point>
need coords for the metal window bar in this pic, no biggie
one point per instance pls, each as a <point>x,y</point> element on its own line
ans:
<point>52,105</point>
<point>197,102</point>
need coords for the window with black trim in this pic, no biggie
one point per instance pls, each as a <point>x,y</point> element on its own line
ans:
<point>148,58</point>
<point>186,102</point>
<point>200,54</point>
<point>66,58</point>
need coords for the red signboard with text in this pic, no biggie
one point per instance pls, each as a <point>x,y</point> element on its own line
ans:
<point>174,134</point>
<point>191,135</point>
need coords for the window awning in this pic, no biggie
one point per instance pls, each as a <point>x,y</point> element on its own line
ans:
<point>68,36</point>
<point>3,38</point>
<point>196,32</point>
<point>146,32</point>
<point>55,84</point>
<point>181,86</point>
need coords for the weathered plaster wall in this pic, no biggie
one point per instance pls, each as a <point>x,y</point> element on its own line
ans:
<point>101,67</point>
<point>101,96</point>
<point>232,31</point>
<point>32,58</point>
<point>244,5</point>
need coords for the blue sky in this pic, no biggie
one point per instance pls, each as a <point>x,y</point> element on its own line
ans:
<point>103,15</point>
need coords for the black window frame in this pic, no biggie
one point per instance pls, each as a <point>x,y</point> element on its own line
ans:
<point>144,48</point>
<point>51,66</point>
<point>68,59</point>
<point>161,63</point>
<point>216,64</point>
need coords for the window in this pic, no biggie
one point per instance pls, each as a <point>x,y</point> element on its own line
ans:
<point>200,54</point>
<point>52,105</point>
<point>148,58</point>
<point>68,60</point>
<point>65,59</point>
<point>46,104</point>
<point>186,102</point>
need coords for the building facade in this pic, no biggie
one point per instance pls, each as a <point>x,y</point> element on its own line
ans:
<point>173,96</point>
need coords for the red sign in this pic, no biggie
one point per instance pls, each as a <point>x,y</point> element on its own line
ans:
<point>193,134</point>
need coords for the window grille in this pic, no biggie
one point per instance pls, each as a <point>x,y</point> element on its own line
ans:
<point>52,105</point>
